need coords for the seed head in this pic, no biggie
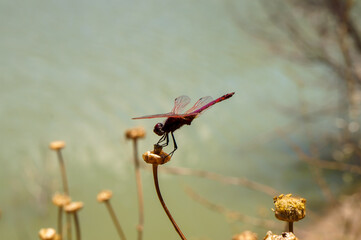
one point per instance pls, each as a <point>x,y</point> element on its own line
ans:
<point>283,236</point>
<point>47,234</point>
<point>104,195</point>
<point>288,208</point>
<point>246,235</point>
<point>61,200</point>
<point>57,145</point>
<point>73,207</point>
<point>134,133</point>
<point>153,158</point>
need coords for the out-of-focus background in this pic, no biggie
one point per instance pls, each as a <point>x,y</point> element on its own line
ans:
<point>78,71</point>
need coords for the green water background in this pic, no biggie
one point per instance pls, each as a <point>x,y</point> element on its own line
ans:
<point>79,70</point>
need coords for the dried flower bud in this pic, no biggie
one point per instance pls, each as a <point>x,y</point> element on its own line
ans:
<point>57,145</point>
<point>284,236</point>
<point>73,207</point>
<point>104,195</point>
<point>61,200</point>
<point>134,133</point>
<point>47,234</point>
<point>288,208</point>
<point>246,235</point>
<point>153,158</point>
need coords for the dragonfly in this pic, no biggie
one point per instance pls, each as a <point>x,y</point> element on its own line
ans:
<point>177,118</point>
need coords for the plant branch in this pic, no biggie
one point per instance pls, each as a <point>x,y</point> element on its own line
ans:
<point>156,184</point>
<point>139,191</point>
<point>115,220</point>
<point>233,215</point>
<point>223,179</point>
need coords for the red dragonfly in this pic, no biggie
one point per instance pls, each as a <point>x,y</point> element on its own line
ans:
<point>176,119</point>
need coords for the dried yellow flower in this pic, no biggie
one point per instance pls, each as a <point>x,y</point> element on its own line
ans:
<point>73,207</point>
<point>61,200</point>
<point>288,208</point>
<point>246,235</point>
<point>153,158</point>
<point>57,145</point>
<point>104,195</point>
<point>134,133</point>
<point>284,236</point>
<point>47,234</point>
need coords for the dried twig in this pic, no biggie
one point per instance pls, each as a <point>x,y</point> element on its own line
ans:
<point>156,184</point>
<point>134,134</point>
<point>326,164</point>
<point>220,178</point>
<point>139,191</point>
<point>233,215</point>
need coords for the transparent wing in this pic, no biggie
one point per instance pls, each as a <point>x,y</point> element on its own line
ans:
<point>164,115</point>
<point>200,103</point>
<point>180,103</point>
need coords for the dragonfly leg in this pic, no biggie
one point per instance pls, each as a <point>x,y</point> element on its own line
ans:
<point>175,145</point>
<point>162,139</point>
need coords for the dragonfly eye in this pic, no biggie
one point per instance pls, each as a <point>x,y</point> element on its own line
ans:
<point>158,129</point>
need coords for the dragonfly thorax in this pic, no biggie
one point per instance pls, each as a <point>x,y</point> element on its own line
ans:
<point>158,129</point>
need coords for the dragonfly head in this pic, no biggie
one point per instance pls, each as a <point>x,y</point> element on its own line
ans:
<point>158,129</point>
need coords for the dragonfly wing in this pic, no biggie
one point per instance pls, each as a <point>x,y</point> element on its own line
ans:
<point>180,103</point>
<point>164,115</point>
<point>200,103</point>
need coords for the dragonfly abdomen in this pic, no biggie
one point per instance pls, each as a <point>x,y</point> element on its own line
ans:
<point>220,99</point>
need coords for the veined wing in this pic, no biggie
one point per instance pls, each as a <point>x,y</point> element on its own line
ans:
<point>200,103</point>
<point>164,115</point>
<point>180,103</point>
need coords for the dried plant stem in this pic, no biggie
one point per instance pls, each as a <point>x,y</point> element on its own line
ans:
<point>115,220</point>
<point>320,163</point>
<point>290,227</point>
<point>322,183</point>
<point>230,214</point>
<point>63,172</point>
<point>223,179</point>
<point>155,176</point>
<point>139,190</point>
<point>327,164</point>
<point>66,188</point>
<point>68,226</point>
<point>60,221</point>
<point>77,226</point>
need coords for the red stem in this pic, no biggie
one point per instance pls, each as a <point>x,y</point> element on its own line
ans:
<point>155,176</point>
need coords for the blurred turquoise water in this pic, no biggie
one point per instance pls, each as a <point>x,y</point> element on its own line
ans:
<point>79,70</point>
